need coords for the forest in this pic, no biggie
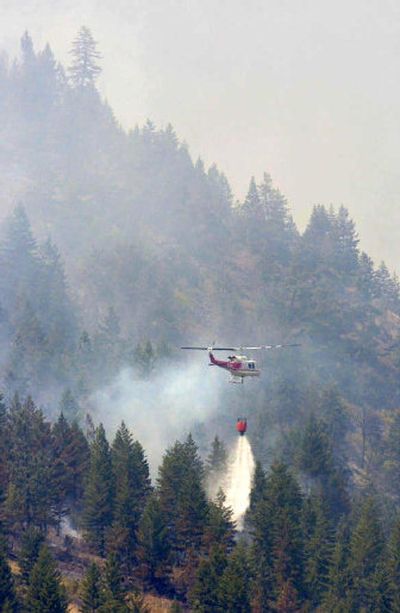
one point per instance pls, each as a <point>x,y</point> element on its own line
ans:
<point>116,248</point>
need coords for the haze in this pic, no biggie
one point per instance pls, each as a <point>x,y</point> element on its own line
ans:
<point>308,91</point>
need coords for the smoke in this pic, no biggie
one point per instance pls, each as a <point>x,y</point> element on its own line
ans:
<point>238,482</point>
<point>66,529</point>
<point>161,409</point>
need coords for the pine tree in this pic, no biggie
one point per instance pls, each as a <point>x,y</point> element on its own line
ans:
<point>31,495</point>
<point>98,497</point>
<point>257,492</point>
<point>114,589</point>
<point>216,466</point>
<point>366,556</point>
<point>316,459</point>
<point>4,444</point>
<point>335,598</point>
<point>71,462</point>
<point>277,550</point>
<point>317,548</point>
<point>234,591</point>
<point>393,566</point>
<point>19,263</point>
<point>154,548</point>
<point>205,594</point>
<point>45,591</point>
<point>345,256</point>
<point>131,486</point>
<point>31,543</point>
<point>109,344</point>
<point>69,407</point>
<point>91,593</point>
<point>8,600</point>
<point>287,600</point>
<point>84,69</point>
<point>220,527</point>
<point>182,497</point>
<point>217,458</point>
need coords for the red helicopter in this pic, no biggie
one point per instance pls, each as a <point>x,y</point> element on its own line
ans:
<point>239,366</point>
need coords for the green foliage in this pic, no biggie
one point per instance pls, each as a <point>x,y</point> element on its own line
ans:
<point>335,598</point>
<point>205,594</point>
<point>31,494</point>
<point>257,493</point>
<point>182,497</point>
<point>220,527</point>
<point>31,543</point>
<point>45,592</point>
<point>154,548</point>
<point>99,490</point>
<point>278,550</point>
<point>234,585</point>
<point>367,549</point>
<point>318,542</point>
<point>131,488</point>
<point>113,584</point>
<point>8,601</point>
<point>71,462</point>
<point>393,565</point>
<point>91,592</point>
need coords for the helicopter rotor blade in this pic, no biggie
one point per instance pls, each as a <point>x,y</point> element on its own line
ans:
<point>213,348</point>
<point>280,346</point>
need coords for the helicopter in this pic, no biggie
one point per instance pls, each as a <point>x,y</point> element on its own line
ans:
<point>239,366</point>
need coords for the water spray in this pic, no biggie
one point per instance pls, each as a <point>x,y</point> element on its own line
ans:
<point>240,474</point>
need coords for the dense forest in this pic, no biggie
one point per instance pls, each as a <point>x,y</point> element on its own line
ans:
<point>115,248</point>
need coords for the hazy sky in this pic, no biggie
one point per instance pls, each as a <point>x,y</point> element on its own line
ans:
<point>308,90</point>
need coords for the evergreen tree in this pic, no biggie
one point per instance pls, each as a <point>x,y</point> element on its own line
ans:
<point>366,555</point>
<point>234,592</point>
<point>220,528</point>
<point>205,594</point>
<point>182,497</point>
<point>316,459</point>
<point>131,486</point>
<point>317,548</point>
<point>216,465</point>
<point>109,344</point>
<point>335,598</point>
<point>154,549</point>
<point>45,591</point>
<point>19,263</point>
<point>145,358</point>
<point>278,551</point>
<point>8,600</point>
<point>69,406</point>
<point>98,497</point>
<point>91,592</point>
<point>31,543</point>
<point>345,256</point>
<point>257,492</point>
<point>84,69</point>
<point>31,495</point>
<point>114,589</point>
<point>393,566</point>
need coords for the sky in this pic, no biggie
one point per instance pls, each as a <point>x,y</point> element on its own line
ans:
<point>307,90</point>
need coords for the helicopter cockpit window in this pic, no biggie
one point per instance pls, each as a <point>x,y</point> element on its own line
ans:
<point>251,365</point>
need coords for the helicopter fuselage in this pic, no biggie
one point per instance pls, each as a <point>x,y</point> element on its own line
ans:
<point>237,365</point>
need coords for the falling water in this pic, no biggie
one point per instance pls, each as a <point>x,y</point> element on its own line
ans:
<point>241,468</point>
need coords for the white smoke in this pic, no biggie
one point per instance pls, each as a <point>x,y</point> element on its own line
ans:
<point>161,409</point>
<point>238,482</point>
